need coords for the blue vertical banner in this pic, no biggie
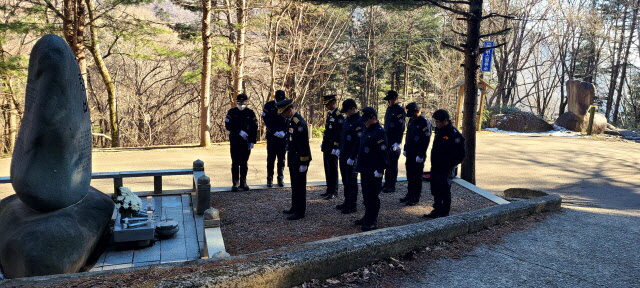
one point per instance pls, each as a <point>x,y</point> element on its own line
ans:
<point>487,57</point>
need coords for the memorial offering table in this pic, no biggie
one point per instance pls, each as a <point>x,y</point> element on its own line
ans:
<point>185,245</point>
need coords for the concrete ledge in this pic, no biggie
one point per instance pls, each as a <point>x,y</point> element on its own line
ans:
<point>289,266</point>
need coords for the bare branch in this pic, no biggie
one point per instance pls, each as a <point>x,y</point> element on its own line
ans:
<point>457,11</point>
<point>504,31</point>
<point>483,49</point>
<point>491,15</point>
<point>458,33</point>
<point>445,44</point>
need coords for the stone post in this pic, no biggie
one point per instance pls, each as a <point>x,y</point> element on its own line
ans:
<point>592,111</point>
<point>203,195</point>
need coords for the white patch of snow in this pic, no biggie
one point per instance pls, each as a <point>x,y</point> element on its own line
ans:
<point>557,132</point>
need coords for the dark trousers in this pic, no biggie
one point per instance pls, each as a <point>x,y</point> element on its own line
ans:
<point>371,187</point>
<point>275,149</point>
<point>414,180</point>
<point>331,171</point>
<point>298,190</point>
<point>239,156</point>
<point>391,175</point>
<point>349,184</point>
<point>441,191</point>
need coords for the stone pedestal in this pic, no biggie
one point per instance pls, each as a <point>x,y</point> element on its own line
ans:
<point>580,95</point>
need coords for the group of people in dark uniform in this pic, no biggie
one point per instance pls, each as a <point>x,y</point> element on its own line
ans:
<point>353,142</point>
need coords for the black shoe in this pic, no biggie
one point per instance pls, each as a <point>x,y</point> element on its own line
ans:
<point>295,217</point>
<point>432,215</point>
<point>234,188</point>
<point>243,185</point>
<point>281,181</point>
<point>369,227</point>
<point>349,210</point>
<point>389,189</point>
<point>359,222</point>
<point>341,206</point>
<point>404,199</point>
<point>287,211</point>
<point>330,196</point>
<point>269,182</point>
<point>325,194</point>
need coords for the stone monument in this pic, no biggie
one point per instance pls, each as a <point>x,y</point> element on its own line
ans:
<point>55,219</point>
<point>580,95</point>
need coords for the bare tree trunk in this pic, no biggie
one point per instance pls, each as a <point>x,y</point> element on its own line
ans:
<point>240,47</point>
<point>623,76</point>
<point>471,82</point>
<point>205,112</point>
<point>406,73</point>
<point>616,67</point>
<point>106,77</point>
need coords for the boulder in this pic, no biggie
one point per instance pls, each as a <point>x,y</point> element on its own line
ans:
<point>34,243</point>
<point>579,96</point>
<point>51,164</point>
<point>520,122</point>
<point>573,122</point>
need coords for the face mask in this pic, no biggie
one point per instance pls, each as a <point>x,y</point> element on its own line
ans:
<point>241,106</point>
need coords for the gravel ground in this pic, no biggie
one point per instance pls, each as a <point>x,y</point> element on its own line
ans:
<point>252,221</point>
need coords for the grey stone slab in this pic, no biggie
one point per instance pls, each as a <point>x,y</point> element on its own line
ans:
<point>173,250</point>
<point>119,266</point>
<point>186,201</point>
<point>215,244</point>
<point>146,263</point>
<point>190,228</point>
<point>193,249</point>
<point>174,214</point>
<point>147,254</point>
<point>118,257</point>
<point>172,201</point>
<point>100,261</point>
<point>199,227</point>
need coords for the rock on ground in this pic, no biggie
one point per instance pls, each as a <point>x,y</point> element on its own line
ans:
<point>34,243</point>
<point>576,123</point>
<point>520,122</point>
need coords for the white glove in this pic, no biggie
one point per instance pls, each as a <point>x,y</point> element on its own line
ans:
<point>419,160</point>
<point>395,147</point>
<point>378,175</point>
<point>250,146</point>
<point>279,134</point>
<point>303,169</point>
<point>350,162</point>
<point>244,135</point>
<point>404,153</point>
<point>336,152</point>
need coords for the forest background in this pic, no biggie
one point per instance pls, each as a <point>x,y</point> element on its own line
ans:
<point>142,60</point>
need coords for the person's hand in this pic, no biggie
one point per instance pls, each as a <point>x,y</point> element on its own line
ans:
<point>279,134</point>
<point>395,146</point>
<point>336,152</point>
<point>243,134</point>
<point>350,162</point>
<point>250,146</point>
<point>378,175</point>
<point>303,168</point>
<point>404,153</point>
<point>419,160</point>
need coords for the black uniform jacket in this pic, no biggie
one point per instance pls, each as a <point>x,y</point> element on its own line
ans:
<point>298,142</point>
<point>332,130</point>
<point>418,138</point>
<point>372,153</point>
<point>273,120</point>
<point>448,149</point>
<point>394,123</point>
<point>352,130</point>
<point>244,120</point>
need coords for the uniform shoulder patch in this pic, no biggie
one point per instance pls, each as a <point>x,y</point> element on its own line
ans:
<point>295,120</point>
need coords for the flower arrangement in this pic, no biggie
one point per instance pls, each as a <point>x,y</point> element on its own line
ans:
<point>127,201</point>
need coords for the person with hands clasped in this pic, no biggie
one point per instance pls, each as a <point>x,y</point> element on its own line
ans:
<point>276,142</point>
<point>415,151</point>
<point>394,127</point>
<point>371,162</point>
<point>298,158</point>
<point>242,124</point>
<point>329,147</point>
<point>352,130</point>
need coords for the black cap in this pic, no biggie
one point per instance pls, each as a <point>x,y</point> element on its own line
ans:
<point>441,115</point>
<point>283,105</point>
<point>326,99</point>
<point>280,96</point>
<point>391,95</point>
<point>242,97</point>
<point>347,105</point>
<point>368,112</point>
<point>412,108</point>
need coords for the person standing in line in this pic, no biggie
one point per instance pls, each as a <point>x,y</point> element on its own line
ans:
<point>394,127</point>
<point>371,162</point>
<point>329,147</point>
<point>352,130</point>
<point>298,158</point>
<point>276,142</point>
<point>242,124</point>
<point>447,152</point>
<point>415,151</point>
